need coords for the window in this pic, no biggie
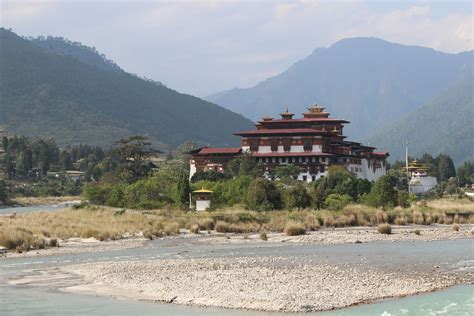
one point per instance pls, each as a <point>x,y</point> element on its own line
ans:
<point>307,144</point>
<point>304,159</point>
<point>313,178</point>
<point>283,159</point>
<point>305,178</point>
<point>254,144</point>
<point>321,168</point>
<point>287,144</point>
<point>274,144</point>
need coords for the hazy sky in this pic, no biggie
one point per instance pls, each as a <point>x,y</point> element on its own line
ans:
<point>202,47</point>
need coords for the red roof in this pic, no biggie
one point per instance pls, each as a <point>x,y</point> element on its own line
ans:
<point>221,150</point>
<point>300,154</point>
<point>267,131</point>
<point>382,153</point>
<point>305,119</point>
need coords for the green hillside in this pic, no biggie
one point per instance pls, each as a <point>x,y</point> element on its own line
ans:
<point>444,125</point>
<point>85,54</point>
<point>368,81</point>
<point>46,94</point>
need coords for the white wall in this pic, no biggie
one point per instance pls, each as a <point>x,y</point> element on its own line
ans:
<point>422,185</point>
<point>192,169</point>
<point>368,172</point>
<point>202,205</point>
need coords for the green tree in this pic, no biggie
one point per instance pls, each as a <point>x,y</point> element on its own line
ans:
<point>452,186</point>
<point>403,198</point>
<point>297,196</point>
<point>24,162</point>
<point>336,202</point>
<point>65,160</point>
<point>3,192</point>
<point>245,165</point>
<point>383,192</point>
<point>286,173</point>
<point>182,190</point>
<point>132,156</point>
<point>262,195</point>
<point>446,168</point>
<point>466,173</point>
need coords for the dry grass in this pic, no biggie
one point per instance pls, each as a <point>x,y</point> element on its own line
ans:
<point>294,229</point>
<point>27,231</point>
<point>384,229</point>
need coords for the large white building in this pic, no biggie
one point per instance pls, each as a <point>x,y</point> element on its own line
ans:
<point>313,143</point>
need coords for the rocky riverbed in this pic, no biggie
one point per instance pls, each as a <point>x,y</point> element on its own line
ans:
<point>271,283</point>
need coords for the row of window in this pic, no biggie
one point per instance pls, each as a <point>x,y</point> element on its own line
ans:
<point>291,159</point>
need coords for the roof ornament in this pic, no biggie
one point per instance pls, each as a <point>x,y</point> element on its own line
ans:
<point>287,115</point>
<point>316,111</point>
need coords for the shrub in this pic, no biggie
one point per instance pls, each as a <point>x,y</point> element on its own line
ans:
<point>194,229</point>
<point>380,217</point>
<point>206,224</point>
<point>297,197</point>
<point>263,195</point>
<point>53,242</point>
<point>384,229</point>
<point>148,234</point>
<point>328,220</point>
<point>336,202</point>
<point>455,227</point>
<point>417,232</point>
<point>222,227</point>
<point>294,229</point>
<point>263,236</point>
<point>400,220</point>
<point>171,229</point>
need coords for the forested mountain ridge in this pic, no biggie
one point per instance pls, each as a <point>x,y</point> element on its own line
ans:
<point>85,54</point>
<point>368,81</point>
<point>45,94</point>
<point>443,125</point>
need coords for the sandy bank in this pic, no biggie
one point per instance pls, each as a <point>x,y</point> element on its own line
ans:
<point>81,245</point>
<point>262,283</point>
<point>330,236</point>
<point>34,201</point>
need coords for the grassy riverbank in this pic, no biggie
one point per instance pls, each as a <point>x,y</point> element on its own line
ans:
<point>43,229</point>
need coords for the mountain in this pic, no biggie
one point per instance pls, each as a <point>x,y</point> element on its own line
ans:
<point>44,93</point>
<point>443,125</point>
<point>76,50</point>
<point>367,81</point>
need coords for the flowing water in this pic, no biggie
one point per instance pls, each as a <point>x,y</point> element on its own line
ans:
<point>37,208</point>
<point>452,255</point>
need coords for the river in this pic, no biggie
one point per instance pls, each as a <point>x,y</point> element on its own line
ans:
<point>451,255</point>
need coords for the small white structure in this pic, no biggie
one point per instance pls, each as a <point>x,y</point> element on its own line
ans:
<point>422,185</point>
<point>203,199</point>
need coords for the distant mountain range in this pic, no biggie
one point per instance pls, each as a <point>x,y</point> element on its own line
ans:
<point>51,87</point>
<point>368,81</point>
<point>443,125</point>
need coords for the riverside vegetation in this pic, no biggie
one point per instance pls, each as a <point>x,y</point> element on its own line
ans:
<point>40,230</point>
<point>131,194</point>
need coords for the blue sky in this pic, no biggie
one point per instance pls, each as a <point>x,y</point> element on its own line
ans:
<point>202,47</point>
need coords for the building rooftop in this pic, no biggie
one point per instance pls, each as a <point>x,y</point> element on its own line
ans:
<point>275,131</point>
<point>292,154</point>
<point>216,150</point>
